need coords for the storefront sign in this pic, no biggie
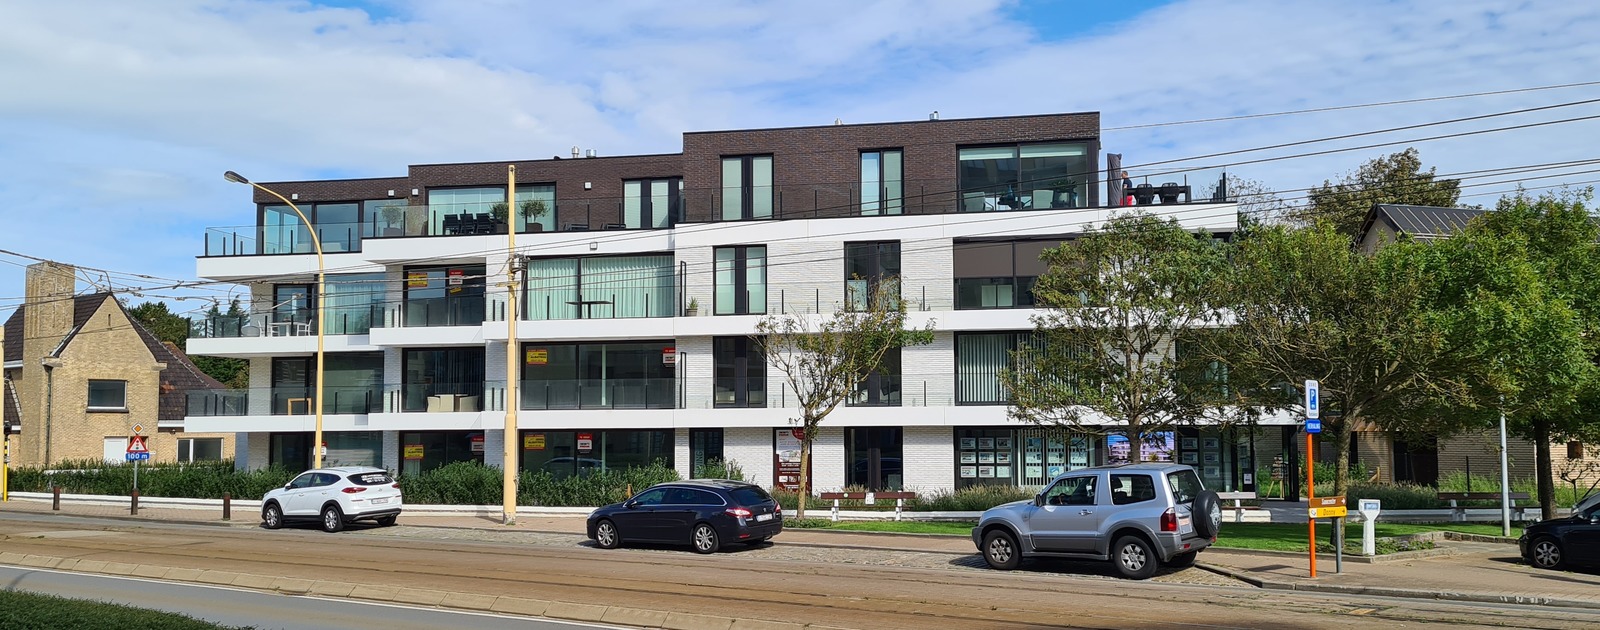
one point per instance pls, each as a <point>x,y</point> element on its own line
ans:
<point>585,442</point>
<point>454,278</point>
<point>669,356</point>
<point>786,445</point>
<point>538,356</point>
<point>413,451</point>
<point>417,279</point>
<point>533,442</point>
<point>477,443</point>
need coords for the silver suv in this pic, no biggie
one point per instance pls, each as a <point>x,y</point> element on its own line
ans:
<point>1140,516</point>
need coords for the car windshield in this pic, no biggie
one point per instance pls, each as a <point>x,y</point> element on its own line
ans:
<point>1185,485</point>
<point>1586,503</point>
<point>371,479</point>
<point>750,495</point>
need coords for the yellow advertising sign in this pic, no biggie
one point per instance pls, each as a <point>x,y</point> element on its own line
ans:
<point>538,356</point>
<point>417,279</point>
<point>533,442</point>
<point>413,451</point>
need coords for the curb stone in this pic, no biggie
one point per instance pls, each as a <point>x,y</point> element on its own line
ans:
<point>577,612</point>
<point>1405,593</point>
<point>634,617</point>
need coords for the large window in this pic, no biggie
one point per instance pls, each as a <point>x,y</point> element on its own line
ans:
<point>650,203</point>
<point>635,375</point>
<point>339,227</point>
<point>1027,458</point>
<point>1029,176</point>
<point>980,358</point>
<point>741,276</point>
<point>572,453</point>
<point>443,379</point>
<point>354,303</point>
<point>192,450</point>
<point>705,448</point>
<point>599,287</point>
<point>423,451</point>
<point>747,187</point>
<point>741,373</point>
<point>876,462</point>
<point>293,307</point>
<point>353,383</point>
<point>107,395</point>
<point>868,267</point>
<point>353,448</point>
<point>880,387</point>
<point>291,451</point>
<point>292,385</point>
<point>998,274</point>
<point>444,296</point>
<point>881,183</point>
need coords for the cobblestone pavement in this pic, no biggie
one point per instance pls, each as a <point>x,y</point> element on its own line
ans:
<point>779,551</point>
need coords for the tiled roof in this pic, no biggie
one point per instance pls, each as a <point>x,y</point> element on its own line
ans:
<point>83,307</point>
<point>13,342</point>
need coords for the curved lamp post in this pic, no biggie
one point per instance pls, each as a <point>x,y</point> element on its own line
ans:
<point>316,242</point>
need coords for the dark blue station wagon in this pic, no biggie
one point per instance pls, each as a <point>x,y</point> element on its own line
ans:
<point>703,513</point>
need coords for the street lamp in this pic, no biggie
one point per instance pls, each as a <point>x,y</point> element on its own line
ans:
<point>316,243</point>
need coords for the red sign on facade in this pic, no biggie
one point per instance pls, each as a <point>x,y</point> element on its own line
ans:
<point>585,442</point>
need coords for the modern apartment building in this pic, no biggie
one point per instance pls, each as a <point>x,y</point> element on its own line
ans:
<point>645,278</point>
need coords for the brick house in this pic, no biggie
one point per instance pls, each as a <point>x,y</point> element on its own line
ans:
<point>80,372</point>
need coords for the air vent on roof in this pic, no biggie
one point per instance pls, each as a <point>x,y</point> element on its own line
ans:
<point>591,153</point>
<point>934,115</point>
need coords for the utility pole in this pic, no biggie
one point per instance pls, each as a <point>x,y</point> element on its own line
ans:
<point>509,464</point>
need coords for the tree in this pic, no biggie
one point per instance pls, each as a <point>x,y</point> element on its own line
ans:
<point>235,373</point>
<point>1121,302</point>
<point>161,322</point>
<point>171,328</point>
<point>1258,204</point>
<point>1519,288</point>
<point>823,359</point>
<point>1395,178</point>
<point>1306,305</point>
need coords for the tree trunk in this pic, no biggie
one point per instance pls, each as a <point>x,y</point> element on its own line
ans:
<point>805,474</point>
<point>1339,437</point>
<point>1547,487</point>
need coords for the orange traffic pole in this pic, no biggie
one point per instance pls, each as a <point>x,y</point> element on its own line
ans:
<point>1311,499</point>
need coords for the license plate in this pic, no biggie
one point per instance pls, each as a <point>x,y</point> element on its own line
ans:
<point>379,501</point>
<point>763,517</point>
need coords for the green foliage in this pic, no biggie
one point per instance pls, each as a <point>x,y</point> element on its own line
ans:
<point>722,469</point>
<point>1395,178</point>
<point>162,322</point>
<point>1115,299</point>
<point>199,480</point>
<point>459,483</point>
<point>969,499</point>
<point>602,487</point>
<point>33,611</point>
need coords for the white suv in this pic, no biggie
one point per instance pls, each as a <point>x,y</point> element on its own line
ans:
<point>334,496</point>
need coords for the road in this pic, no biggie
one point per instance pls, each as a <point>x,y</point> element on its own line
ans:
<point>833,587</point>
<point>266,611</point>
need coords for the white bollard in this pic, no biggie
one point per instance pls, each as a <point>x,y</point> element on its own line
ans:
<point>1369,509</point>
<point>835,510</point>
<point>898,505</point>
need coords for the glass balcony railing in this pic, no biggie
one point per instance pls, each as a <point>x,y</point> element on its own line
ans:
<point>632,393</point>
<point>250,240</point>
<point>442,397</point>
<point>344,320</point>
<point>440,311</point>
<point>283,401</point>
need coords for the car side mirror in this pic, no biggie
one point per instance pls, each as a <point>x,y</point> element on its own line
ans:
<point>1038,500</point>
<point>632,503</point>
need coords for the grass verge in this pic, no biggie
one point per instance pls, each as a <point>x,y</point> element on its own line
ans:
<point>32,611</point>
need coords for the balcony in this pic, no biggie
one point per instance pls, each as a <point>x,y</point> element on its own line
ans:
<point>436,312</point>
<point>466,397</point>
<point>636,393</point>
<point>252,240</point>
<point>300,323</point>
<point>282,401</point>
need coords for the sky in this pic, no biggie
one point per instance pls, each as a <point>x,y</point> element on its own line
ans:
<point>118,118</point>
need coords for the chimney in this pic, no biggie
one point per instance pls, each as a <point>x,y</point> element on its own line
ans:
<point>48,315</point>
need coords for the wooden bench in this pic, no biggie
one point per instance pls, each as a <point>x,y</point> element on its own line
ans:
<point>1238,508</point>
<point>1458,514</point>
<point>900,499</point>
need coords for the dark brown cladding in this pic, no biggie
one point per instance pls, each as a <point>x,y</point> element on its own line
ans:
<point>810,164</point>
<point>816,170</point>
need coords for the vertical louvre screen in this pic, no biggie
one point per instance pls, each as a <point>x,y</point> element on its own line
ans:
<point>979,360</point>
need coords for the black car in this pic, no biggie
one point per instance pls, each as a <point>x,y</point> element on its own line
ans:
<point>704,513</point>
<point>1574,540</point>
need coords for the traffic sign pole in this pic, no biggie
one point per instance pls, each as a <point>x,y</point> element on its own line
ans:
<point>1313,403</point>
<point>1311,498</point>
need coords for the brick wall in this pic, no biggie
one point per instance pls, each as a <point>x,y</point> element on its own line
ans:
<point>928,458</point>
<point>751,448</point>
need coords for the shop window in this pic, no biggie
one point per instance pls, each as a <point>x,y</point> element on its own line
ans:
<point>705,448</point>
<point>565,454</point>
<point>876,458</point>
<point>291,451</point>
<point>427,450</point>
<point>1028,458</point>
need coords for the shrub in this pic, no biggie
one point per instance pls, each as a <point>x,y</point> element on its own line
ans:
<point>199,480</point>
<point>969,499</point>
<point>459,483</point>
<point>1395,496</point>
<point>723,469</point>
<point>600,487</point>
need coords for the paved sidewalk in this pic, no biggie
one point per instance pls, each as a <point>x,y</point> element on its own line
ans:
<point>1484,572</point>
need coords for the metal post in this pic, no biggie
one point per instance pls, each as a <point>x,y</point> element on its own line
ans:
<point>134,510</point>
<point>1505,482</point>
<point>227,506</point>
<point>1338,545</point>
<point>55,498</point>
<point>1311,500</point>
<point>5,467</point>
<point>508,466</point>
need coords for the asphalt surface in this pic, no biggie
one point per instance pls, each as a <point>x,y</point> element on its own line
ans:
<point>266,611</point>
<point>845,588</point>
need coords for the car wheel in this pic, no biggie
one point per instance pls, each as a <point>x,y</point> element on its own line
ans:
<point>1207,514</point>
<point>705,539</point>
<point>272,516</point>
<point>605,535</point>
<point>1000,550</point>
<point>332,519</point>
<point>387,521</point>
<point>1546,553</point>
<point>1134,558</point>
<point>1184,560</point>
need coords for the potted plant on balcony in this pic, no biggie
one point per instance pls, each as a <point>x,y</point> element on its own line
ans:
<point>532,210</point>
<point>393,214</point>
<point>693,310</point>
<point>500,212</point>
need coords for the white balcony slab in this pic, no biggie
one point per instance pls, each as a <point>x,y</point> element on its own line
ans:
<point>235,424</point>
<point>429,336</point>
<point>299,345</point>
<point>440,421</point>
<point>242,268</point>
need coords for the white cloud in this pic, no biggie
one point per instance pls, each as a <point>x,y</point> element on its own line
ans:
<point>116,117</point>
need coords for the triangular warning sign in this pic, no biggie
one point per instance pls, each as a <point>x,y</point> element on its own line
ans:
<point>136,444</point>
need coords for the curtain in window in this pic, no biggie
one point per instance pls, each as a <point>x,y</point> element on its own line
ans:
<point>352,302</point>
<point>732,189</point>
<point>634,286</point>
<point>979,360</point>
<point>552,283</point>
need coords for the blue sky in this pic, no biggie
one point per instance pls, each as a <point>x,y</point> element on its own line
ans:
<point>117,118</point>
